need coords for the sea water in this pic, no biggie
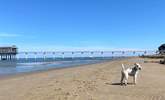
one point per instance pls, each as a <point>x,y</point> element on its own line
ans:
<point>24,65</point>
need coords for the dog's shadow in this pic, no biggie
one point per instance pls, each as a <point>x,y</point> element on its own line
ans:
<point>118,84</point>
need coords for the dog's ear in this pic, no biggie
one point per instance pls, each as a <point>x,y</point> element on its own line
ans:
<point>135,64</point>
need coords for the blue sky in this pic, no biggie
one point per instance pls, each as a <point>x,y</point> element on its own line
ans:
<point>82,24</point>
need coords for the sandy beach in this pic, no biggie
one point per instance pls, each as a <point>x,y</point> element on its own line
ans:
<point>88,82</point>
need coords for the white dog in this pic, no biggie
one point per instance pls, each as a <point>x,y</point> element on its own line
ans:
<point>125,73</point>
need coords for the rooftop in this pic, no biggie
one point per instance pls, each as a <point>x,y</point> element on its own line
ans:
<point>8,47</point>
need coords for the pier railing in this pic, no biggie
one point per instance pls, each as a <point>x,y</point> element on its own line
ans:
<point>74,54</point>
<point>65,54</point>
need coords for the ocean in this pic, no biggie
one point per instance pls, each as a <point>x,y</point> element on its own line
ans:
<point>24,65</point>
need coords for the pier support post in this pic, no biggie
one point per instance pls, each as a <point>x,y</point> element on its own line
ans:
<point>102,54</point>
<point>72,55</point>
<point>54,56</point>
<point>63,55</point>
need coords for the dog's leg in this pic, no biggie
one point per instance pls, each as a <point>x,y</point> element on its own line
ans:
<point>122,78</point>
<point>135,79</point>
<point>126,79</point>
<point>125,82</point>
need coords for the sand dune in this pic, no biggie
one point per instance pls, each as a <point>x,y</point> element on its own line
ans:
<point>88,82</point>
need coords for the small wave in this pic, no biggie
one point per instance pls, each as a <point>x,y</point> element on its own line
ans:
<point>37,63</point>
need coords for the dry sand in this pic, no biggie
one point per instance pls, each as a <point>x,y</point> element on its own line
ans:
<point>88,82</point>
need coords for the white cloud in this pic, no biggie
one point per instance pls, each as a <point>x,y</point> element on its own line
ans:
<point>9,35</point>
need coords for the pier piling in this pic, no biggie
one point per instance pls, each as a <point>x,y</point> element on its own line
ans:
<point>8,53</point>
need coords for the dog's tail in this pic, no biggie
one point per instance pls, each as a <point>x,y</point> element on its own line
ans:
<point>123,68</point>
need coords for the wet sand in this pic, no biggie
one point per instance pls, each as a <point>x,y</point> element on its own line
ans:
<point>87,82</point>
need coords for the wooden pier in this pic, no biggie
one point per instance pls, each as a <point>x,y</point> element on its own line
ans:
<point>8,53</point>
<point>91,54</point>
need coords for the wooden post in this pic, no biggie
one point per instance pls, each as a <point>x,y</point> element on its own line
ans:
<point>72,55</point>
<point>102,54</point>
<point>63,55</point>
<point>26,55</point>
<point>91,54</point>
<point>35,56</point>
<point>54,55</point>
<point>112,54</point>
<point>44,55</point>
<point>82,54</point>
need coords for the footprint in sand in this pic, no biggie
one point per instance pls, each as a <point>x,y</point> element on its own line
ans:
<point>158,97</point>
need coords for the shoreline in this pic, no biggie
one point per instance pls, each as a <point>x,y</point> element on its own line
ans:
<point>3,77</point>
<point>87,82</point>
